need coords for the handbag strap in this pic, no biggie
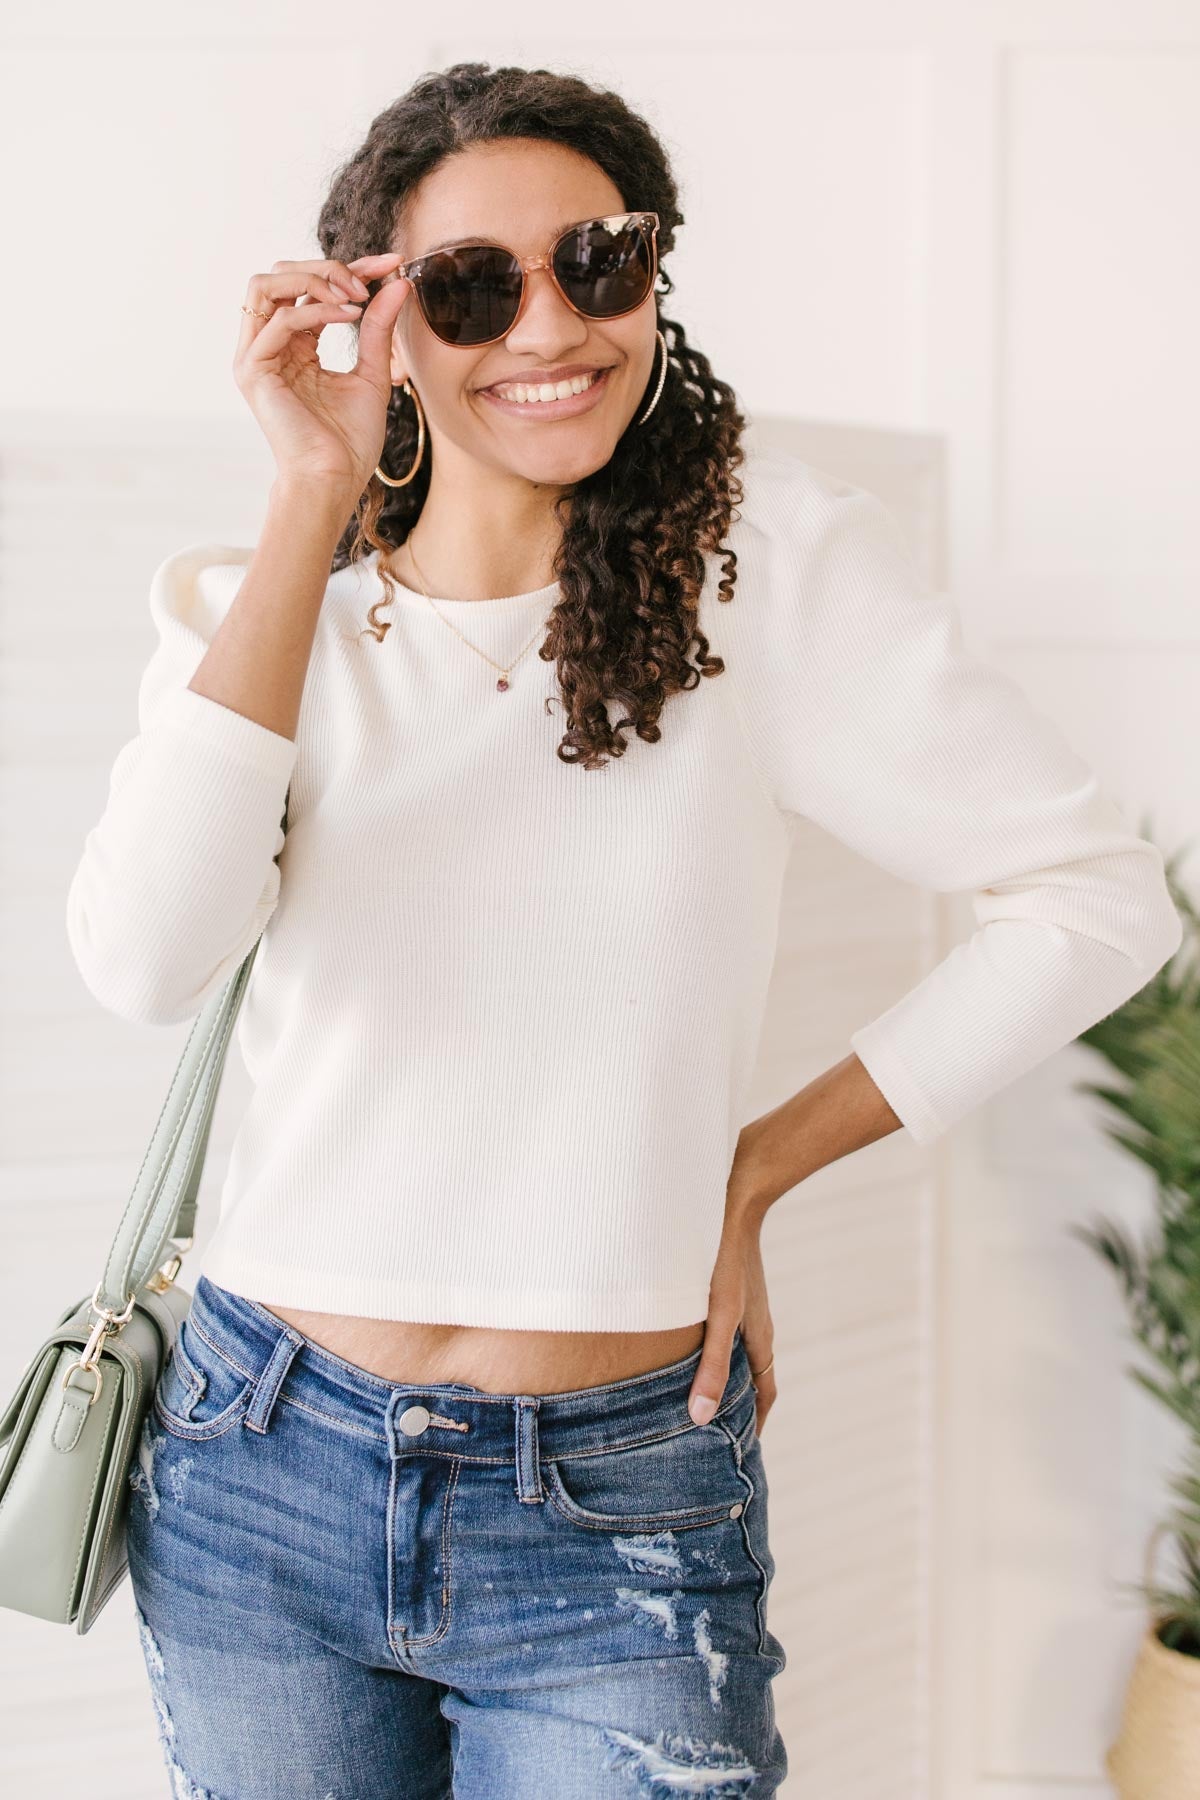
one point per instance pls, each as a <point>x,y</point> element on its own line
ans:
<point>163,1203</point>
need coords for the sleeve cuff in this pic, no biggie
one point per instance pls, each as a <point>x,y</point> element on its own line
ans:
<point>895,1083</point>
<point>244,740</point>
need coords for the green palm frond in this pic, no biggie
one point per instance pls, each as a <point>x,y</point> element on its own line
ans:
<point>1152,1044</point>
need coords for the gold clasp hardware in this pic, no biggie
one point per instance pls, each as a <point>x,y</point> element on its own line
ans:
<point>95,1368</point>
<point>88,1358</point>
<point>107,1320</point>
<point>162,1279</point>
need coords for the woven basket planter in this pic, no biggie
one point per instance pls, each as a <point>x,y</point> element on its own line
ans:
<point>1157,1752</point>
<point>1157,1755</point>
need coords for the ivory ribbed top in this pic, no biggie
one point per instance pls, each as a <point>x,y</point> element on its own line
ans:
<point>504,1017</point>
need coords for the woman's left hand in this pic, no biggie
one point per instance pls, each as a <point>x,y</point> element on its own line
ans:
<point>737,1295</point>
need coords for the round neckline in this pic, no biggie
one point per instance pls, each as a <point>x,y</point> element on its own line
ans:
<point>467,608</point>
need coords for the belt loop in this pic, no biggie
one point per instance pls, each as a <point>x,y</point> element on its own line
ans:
<point>529,1474</point>
<point>266,1388</point>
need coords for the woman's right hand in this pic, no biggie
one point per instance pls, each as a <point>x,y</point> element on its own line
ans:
<point>325,426</point>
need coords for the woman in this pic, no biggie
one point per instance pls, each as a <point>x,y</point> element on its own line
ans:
<point>454,1482</point>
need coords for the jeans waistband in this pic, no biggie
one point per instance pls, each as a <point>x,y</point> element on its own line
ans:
<point>462,1420</point>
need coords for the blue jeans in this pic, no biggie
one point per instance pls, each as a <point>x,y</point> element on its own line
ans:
<point>356,1589</point>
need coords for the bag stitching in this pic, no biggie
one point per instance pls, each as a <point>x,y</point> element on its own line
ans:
<point>168,1153</point>
<point>112,1516</point>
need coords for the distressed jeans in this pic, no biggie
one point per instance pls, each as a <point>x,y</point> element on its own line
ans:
<point>349,1588</point>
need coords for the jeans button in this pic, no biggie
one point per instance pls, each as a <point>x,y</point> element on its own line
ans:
<point>414,1420</point>
<point>735,1512</point>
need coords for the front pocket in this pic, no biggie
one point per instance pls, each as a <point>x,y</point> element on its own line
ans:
<point>671,1483</point>
<point>199,1392</point>
<point>746,1437</point>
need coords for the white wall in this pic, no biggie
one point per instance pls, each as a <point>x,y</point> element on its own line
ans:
<point>991,249</point>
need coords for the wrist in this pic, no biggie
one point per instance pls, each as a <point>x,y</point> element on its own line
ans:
<point>774,1154</point>
<point>753,1188</point>
<point>313,501</point>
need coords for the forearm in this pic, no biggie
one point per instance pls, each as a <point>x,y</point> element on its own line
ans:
<point>179,876</point>
<point>839,1111</point>
<point>258,659</point>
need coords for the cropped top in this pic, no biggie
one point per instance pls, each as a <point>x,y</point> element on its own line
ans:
<point>503,1020</point>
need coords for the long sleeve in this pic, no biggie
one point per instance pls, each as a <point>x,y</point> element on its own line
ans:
<point>873,721</point>
<point>178,877</point>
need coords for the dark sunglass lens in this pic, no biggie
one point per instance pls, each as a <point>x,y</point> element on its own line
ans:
<point>469,296</point>
<point>605,270</point>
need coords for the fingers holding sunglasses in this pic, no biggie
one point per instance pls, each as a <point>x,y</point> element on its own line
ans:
<point>323,424</point>
<point>375,329</point>
<point>325,280</point>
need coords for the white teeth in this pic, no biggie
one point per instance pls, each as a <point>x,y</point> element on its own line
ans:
<point>525,395</point>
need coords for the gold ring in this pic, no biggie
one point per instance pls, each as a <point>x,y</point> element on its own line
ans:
<point>757,1372</point>
<point>256,315</point>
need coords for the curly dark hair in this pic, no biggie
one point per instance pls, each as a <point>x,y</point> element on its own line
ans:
<point>630,563</point>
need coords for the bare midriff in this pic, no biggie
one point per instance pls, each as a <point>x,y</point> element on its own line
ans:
<point>498,1362</point>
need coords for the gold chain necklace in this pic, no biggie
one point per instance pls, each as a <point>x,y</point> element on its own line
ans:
<point>505,671</point>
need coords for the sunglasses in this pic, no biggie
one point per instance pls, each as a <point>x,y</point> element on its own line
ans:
<point>472,294</point>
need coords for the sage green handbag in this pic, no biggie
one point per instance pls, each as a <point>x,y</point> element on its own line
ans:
<point>72,1427</point>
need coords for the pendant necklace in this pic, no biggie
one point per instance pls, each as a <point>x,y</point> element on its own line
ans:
<point>505,671</point>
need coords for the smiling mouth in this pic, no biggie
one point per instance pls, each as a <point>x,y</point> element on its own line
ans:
<point>544,393</point>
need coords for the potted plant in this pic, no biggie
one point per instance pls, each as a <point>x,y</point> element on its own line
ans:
<point>1153,1044</point>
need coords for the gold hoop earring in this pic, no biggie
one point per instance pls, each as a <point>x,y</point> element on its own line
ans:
<point>411,391</point>
<point>662,377</point>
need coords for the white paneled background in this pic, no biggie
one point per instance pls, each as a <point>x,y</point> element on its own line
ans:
<point>947,250</point>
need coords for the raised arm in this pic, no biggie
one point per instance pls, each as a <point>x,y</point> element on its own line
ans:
<point>179,876</point>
